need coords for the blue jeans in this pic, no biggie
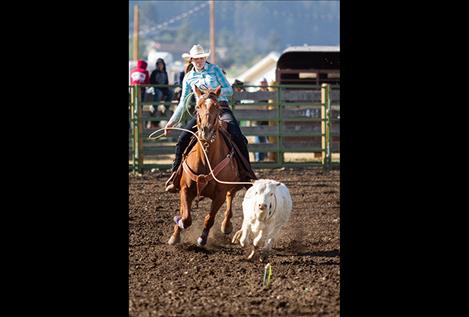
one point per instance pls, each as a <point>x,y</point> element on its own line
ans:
<point>259,156</point>
<point>159,95</point>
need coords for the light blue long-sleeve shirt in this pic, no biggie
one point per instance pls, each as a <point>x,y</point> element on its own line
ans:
<point>210,76</point>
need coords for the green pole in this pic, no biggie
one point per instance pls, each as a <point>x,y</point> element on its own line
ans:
<point>328,127</point>
<point>132,124</point>
<point>324,125</point>
<point>138,145</point>
<point>140,131</point>
<point>279,128</point>
<point>135,129</point>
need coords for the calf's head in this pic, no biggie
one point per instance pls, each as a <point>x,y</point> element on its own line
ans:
<point>265,200</point>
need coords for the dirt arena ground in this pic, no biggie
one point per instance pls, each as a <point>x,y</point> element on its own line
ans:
<point>218,280</point>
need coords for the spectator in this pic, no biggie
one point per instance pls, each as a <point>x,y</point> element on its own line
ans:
<point>238,85</point>
<point>160,77</point>
<point>139,76</point>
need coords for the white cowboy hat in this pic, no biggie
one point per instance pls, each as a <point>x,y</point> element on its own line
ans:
<point>196,51</point>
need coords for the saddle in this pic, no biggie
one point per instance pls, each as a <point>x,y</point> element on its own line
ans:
<point>245,172</point>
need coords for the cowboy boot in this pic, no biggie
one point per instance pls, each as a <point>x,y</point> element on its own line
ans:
<point>170,187</point>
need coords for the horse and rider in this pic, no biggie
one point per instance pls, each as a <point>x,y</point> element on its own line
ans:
<point>216,163</point>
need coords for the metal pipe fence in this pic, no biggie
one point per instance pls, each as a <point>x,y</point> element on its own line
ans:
<point>296,121</point>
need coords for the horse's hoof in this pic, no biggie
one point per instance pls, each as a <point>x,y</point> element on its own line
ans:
<point>236,237</point>
<point>251,255</point>
<point>174,240</point>
<point>201,242</point>
<point>264,257</point>
<point>227,228</point>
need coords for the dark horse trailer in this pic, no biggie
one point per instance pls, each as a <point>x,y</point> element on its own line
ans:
<point>311,66</point>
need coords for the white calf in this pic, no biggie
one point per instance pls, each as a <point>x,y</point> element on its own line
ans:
<point>266,208</point>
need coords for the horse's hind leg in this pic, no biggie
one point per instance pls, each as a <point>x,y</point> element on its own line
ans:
<point>184,220</point>
<point>226,225</point>
<point>210,219</point>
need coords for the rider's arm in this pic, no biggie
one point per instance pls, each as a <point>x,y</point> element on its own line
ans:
<point>226,89</point>
<point>186,89</point>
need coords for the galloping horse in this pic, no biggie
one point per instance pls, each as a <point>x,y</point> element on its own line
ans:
<point>197,180</point>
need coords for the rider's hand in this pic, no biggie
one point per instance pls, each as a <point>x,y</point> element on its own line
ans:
<point>168,125</point>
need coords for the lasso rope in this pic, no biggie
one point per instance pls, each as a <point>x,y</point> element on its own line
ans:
<point>186,102</point>
<point>203,150</point>
<point>186,105</point>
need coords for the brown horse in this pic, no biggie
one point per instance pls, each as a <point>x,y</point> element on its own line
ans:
<point>197,180</point>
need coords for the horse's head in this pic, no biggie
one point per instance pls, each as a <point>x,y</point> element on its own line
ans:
<point>207,113</point>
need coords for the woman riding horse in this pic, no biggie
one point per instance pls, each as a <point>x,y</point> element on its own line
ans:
<point>209,170</point>
<point>206,76</point>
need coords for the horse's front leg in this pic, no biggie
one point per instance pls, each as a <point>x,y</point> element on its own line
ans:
<point>226,225</point>
<point>210,219</point>
<point>184,220</point>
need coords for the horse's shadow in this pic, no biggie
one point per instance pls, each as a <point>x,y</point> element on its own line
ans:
<point>297,248</point>
<point>218,243</point>
<point>313,257</point>
<point>319,253</point>
<point>196,249</point>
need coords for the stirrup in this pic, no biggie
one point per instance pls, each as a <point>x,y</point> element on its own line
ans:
<point>170,179</point>
<point>171,188</point>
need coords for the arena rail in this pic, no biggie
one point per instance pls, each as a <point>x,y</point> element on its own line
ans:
<point>301,124</point>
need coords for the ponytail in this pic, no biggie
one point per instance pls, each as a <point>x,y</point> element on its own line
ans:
<point>188,67</point>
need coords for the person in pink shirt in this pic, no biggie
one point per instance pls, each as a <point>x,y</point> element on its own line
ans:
<point>140,76</point>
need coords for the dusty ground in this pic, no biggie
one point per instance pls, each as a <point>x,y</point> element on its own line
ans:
<point>186,280</point>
